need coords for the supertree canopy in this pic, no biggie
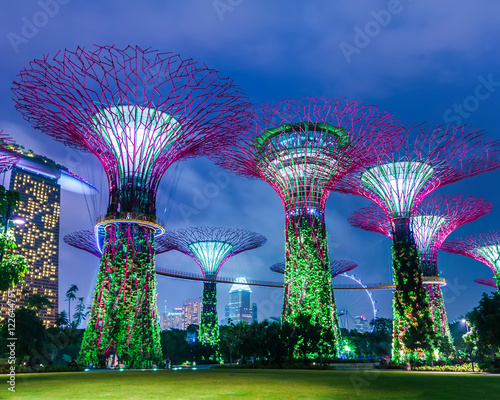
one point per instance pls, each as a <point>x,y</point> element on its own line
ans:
<point>86,240</point>
<point>301,148</point>
<point>210,248</point>
<point>432,156</point>
<point>432,221</point>
<point>491,282</point>
<point>138,111</point>
<point>484,247</point>
<point>337,267</point>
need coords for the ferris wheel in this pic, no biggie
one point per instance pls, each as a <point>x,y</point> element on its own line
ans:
<point>355,307</point>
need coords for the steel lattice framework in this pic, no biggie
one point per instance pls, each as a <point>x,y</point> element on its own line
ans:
<point>491,282</point>
<point>431,223</point>
<point>210,247</point>
<point>483,247</point>
<point>138,111</point>
<point>432,156</point>
<point>337,267</point>
<point>86,240</point>
<point>7,157</point>
<point>301,148</point>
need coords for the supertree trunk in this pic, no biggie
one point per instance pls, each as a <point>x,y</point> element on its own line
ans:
<point>124,315</point>
<point>308,283</point>
<point>436,302</point>
<point>412,322</point>
<point>209,326</point>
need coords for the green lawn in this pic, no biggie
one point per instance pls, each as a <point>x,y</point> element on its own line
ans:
<point>254,384</point>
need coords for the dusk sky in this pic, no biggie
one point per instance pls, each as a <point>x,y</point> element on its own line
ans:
<point>435,61</point>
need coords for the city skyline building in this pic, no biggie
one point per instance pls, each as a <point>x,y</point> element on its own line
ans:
<point>255,315</point>
<point>191,312</point>
<point>240,302</point>
<point>172,319</point>
<point>39,181</point>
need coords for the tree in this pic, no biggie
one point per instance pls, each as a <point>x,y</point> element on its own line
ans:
<point>485,321</point>
<point>13,267</point>
<point>61,319</point>
<point>309,336</point>
<point>276,347</point>
<point>229,339</point>
<point>70,295</point>
<point>9,202</point>
<point>382,327</point>
<point>80,314</point>
<point>30,334</point>
<point>175,346</point>
<point>290,338</point>
<point>37,302</point>
<point>381,336</point>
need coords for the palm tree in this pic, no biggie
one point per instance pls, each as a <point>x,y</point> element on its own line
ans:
<point>70,295</point>
<point>80,313</point>
<point>61,319</point>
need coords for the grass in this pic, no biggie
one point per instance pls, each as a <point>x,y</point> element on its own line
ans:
<point>255,384</point>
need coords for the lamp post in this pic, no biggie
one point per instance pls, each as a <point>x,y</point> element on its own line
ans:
<point>464,321</point>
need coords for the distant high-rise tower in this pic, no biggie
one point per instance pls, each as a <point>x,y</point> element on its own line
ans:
<point>254,312</point>
<point>191,312</point>
<point>173,319</point>
<point>39,181</point>
<point>362,324</point>
<point>240,302</point>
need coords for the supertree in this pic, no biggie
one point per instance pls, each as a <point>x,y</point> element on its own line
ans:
<point>210,247</point>
<point>86,240</point>
<point>138,111</point>
<point>431,223</point>
<point>432,156</point>
<point>337,267</point>
<point>301,148</point>
<point>483,247</point>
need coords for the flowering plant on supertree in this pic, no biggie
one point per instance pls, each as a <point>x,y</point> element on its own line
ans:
<point>210,247</point>
<point>431,222</point>
<point>432,156</point>
<point>483,247</point>
<point>301,148</point>
<point>138,111</point>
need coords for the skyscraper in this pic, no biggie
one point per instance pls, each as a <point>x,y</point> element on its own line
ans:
<point>38,238</point>
<point>191,312</point>
<point>173,319</point>
<point>240,302</point>
<point>39,180</point>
